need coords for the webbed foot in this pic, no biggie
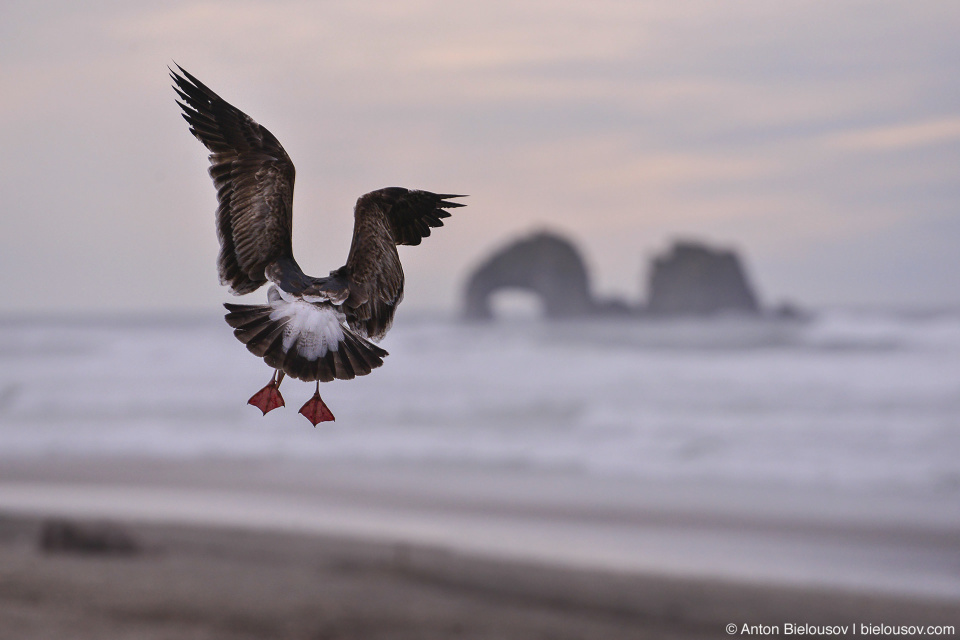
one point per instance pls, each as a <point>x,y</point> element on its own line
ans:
<point>269,398</point>
<point>315,410</point>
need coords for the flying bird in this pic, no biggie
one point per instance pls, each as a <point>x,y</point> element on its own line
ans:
<point>312,329</point>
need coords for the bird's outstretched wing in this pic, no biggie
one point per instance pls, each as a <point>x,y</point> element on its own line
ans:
<point>254,179</point>
<point>384,219</point>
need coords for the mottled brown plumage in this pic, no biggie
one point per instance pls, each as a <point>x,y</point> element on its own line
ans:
<point>254,179</point>
<point>311,328</point>
<point>382,220</point>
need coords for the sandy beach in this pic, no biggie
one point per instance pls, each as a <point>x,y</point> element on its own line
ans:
<point>229,583</point>
<point>239,549</point>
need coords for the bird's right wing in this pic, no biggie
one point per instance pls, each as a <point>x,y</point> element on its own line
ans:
<point>254,178</point>
<point>384,219</point>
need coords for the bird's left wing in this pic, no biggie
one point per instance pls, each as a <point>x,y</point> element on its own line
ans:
<point>384,219</point>
<point>254,179</point>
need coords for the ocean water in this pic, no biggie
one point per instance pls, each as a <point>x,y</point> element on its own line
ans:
<point>847,399</point>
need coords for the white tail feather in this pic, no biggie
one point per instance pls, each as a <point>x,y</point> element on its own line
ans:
<point>313,329</point>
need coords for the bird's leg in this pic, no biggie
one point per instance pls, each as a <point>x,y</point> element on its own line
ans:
<point>269,398</point>
<point>315,410</point>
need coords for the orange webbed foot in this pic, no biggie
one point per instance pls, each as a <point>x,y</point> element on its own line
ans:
<point>268,398</point>
<point>316,411</point>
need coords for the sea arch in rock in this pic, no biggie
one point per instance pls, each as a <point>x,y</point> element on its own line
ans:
<point>543,264</point>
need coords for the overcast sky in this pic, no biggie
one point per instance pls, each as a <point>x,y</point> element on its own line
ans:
<point>821,139</point>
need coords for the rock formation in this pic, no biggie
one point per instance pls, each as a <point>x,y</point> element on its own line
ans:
<point>545,264</point>
<point>693,279</point>
<point>690,279</point>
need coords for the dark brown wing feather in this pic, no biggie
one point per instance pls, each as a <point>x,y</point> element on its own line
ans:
<point>411,214</point>
<point>384,219</point>
<point>254,179</point>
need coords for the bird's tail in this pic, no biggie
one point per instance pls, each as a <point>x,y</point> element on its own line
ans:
<point>305,340</point>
